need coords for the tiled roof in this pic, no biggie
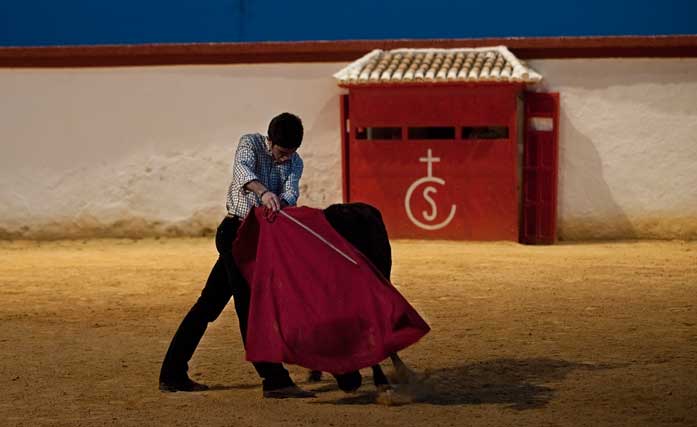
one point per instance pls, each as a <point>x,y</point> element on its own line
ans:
<point>437,66</point>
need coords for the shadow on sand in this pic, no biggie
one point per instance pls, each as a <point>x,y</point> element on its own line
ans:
<point>518,383</point>
<point>222,387</point>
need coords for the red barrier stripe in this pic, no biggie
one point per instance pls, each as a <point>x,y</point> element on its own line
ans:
<point>337,51</point>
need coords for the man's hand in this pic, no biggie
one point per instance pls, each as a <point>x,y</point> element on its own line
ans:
<point>271,201</point>
<point>268,198</point>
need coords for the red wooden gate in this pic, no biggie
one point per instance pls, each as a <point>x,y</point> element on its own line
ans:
<point>540,166</point>
<point>440,162</point>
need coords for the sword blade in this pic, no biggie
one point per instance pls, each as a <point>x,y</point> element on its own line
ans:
<point>325,241</point>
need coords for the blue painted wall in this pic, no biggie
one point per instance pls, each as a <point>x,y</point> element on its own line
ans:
<point>70,22</point>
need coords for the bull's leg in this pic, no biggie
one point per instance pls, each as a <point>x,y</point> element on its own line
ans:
<point>363,227</point>
<point>379,379</point>
<point>404,374</point>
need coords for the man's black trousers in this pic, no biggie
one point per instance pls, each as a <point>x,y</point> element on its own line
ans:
<point>224,281</point>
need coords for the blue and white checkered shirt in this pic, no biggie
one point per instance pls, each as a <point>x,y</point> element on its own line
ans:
<point>253,161</point>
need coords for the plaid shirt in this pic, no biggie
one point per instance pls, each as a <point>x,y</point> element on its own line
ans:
<point>253,161</point>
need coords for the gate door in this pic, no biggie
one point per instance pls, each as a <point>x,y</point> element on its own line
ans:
<point>540,165</point>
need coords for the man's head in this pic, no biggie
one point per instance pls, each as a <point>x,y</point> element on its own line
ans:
<point>285,135</point>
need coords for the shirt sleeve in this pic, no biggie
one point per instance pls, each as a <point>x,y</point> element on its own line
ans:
<point>291,187</point>
<point>244,164</point>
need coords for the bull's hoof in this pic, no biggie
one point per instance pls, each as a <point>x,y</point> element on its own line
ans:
<point>349,382</point>
<point>384,387</point>
<point>314,376</point>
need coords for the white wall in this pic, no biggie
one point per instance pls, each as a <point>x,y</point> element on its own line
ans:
<point>142,151</point>
<point>146,150</point>
<point>628,146</point>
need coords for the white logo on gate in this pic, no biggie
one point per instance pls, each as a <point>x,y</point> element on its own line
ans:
<point>428,216</point>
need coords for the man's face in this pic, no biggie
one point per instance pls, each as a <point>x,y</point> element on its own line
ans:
<point>281,154</point>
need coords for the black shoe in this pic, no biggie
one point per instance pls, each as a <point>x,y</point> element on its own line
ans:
<point>288,392</point>
<point>185,384</point>
<point>314,376</point>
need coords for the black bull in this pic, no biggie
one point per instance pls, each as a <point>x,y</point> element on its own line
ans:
<point>363,227</point>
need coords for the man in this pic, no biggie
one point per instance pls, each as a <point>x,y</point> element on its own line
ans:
<point>266,171</point>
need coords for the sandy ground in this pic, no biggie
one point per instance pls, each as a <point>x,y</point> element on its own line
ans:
<point>573,334</point>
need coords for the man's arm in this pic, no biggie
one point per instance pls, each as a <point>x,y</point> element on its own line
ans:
<point>268,198</point>
<point>243,166</point>
<point>291,186</point>
<point>243,176</point>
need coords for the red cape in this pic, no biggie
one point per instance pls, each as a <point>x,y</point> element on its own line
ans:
<point>312,307</point>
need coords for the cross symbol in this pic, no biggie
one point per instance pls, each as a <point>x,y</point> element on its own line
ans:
<point>429,160</point>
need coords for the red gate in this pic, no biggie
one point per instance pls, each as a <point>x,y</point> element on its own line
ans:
<point>540,165</point>
<point>440,162</point>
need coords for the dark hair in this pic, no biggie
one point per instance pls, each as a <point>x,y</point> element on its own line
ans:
<point>286,130</point>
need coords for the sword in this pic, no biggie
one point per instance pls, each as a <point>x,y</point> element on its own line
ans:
<point>326,242</point>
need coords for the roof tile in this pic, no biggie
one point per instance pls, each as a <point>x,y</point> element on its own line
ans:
<point>495,63</point>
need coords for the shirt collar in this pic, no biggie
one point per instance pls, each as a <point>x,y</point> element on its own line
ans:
<point>267,145</point>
